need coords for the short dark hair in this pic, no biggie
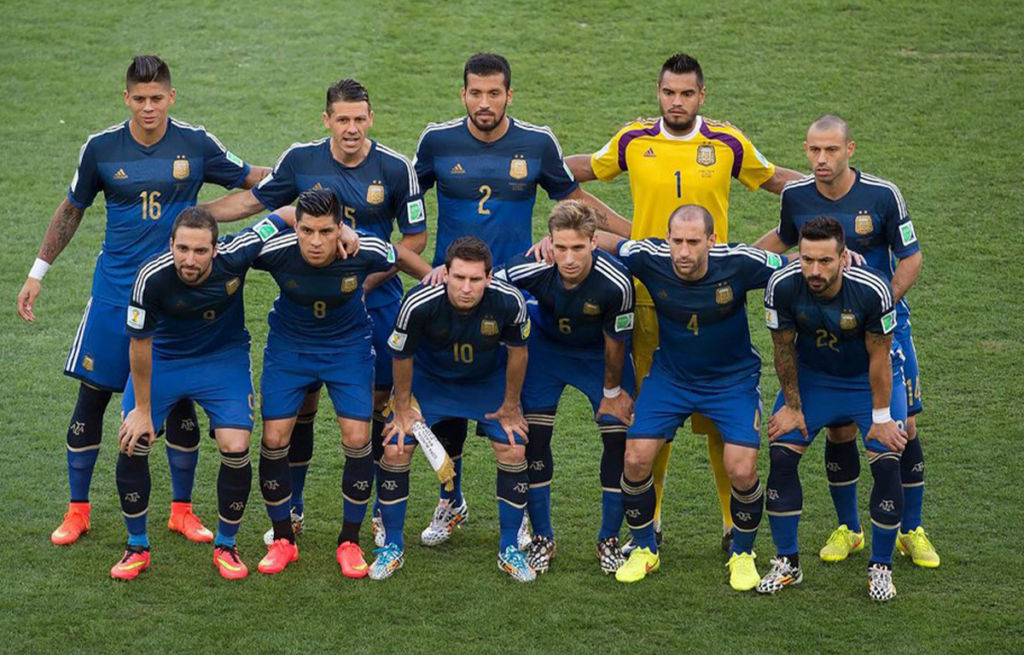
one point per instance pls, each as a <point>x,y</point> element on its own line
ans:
<point>823,228</point>
<point>346,90</point>
<point>196,218</point>
<point>573,215</point>
<point>693,213</point>
<point>680,64</point>
<point>468,249</point>
<point>829,121</point>
<point>487,63</point>
<point>318,202</point>
<point>145,69</point>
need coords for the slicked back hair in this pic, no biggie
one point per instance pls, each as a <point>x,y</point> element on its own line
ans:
<point>346,90</point>
<point>573,215</point>
<point>823,228</point>
<point>468,249</point>
<point>145,69</point>
<point>318,202</point>
<point>693,213</point>
<point>487,63</point>
<point>830,121</point>
<point>196,218</point>
<point>680,64</point>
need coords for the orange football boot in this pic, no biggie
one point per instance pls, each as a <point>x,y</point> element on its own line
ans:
<point>183,520</point>
<point>227,562</point>
<point>74,525</point>
<point>280,554</point>
<point>134,562</point>
<point>350,557</point>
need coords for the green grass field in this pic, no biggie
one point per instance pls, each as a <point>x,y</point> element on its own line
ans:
<point>934,95</point>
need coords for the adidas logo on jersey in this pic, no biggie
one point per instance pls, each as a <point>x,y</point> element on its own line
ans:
<point>120,174</point>
<point>649,153</point>
<point>458,169</point>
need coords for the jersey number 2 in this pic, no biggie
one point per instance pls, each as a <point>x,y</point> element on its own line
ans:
<point>483,211</point>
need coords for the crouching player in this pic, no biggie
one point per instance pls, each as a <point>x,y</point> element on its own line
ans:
<point>837,372</point>
<point>704,363</point>
<point>584,317</point>
<point>187,325</point>
<point>320,333</point>
<point>466,340</point>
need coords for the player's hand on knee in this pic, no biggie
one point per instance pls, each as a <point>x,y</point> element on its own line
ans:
<point>402,421</point>
<point>512,421</point>
<point>437,276</point>
<point>620,407</point>
<point>542,251</point>
<point>135,427</point>
<point>27,298</point>
<point>785,421</point>
<point>889,435</point>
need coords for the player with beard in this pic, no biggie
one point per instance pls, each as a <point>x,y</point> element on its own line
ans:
<point>679,158</point>
<point>487,166</point>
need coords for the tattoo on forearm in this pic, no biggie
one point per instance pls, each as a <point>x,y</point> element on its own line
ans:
<point>785,366</point>
<point>63,226</point>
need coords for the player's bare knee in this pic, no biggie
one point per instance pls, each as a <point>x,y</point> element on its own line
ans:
<point>232,440</point>
<point>276,434</point>
<point>354,434</point>
<point>637,466</point>
<point>743,473</point>
<point>393,457</point>
<point>507,454</point>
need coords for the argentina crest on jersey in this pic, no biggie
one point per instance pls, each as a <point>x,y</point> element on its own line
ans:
<point>706,155</point>
<point>181,168</point>
<point>489,327</point>
<point>517,169</point>
<point>231,286</point>
<point>349,283</point>
<point>723,294</point>
<point>375,193</point>
<point>863,224</point>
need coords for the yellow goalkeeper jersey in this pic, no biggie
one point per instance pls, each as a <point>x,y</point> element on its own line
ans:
<point>667,171</point>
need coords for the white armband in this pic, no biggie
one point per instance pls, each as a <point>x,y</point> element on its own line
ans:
<point>39,269</point>
<point>880,415</point>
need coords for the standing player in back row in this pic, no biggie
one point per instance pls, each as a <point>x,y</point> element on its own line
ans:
<point>149,168</point>
<point>680,158</point>
<point>583,316</point>
<point>875,220</point>
<point>487,167</point>
<point>378,190</point>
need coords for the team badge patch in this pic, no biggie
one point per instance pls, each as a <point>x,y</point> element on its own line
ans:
<point>87,363</point>
<point>488,327</point>
<point>591,309</point>
<point>863,224</point>
<point>624,322</point>
<point>706,155</point>
<point>415,210</point>
<point>907,234</point>
<point>232,285</point>
<point>723,295</point>
<point>771,317</point>
<point>524,331</point>
<point>349,283</point>
<point>517,170</point>
<point>375,194</point>
<point>847,321</point>
<point>889,322</point>
<point>136,318</point>
<point>180,170</point>
<point>397,340</point>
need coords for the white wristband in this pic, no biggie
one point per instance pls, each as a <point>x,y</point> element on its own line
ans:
<point>39,269</point>
<point>612,393</point>
<point>880,415</point>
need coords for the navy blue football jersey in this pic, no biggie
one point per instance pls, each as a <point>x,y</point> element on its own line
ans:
<point>873,214</point>
<point>192,320</point>
<point>375,194</point>
<point>577,318</point>
<point>830,332</point>
<point>145,188</point>
<point>703,331</point>
<point>488,189</point>
<point>453,345</point>
<point>320,308</point>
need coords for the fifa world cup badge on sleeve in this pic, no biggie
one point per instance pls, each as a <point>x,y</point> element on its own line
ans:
<point>889,322</point>
<point>907,234</point>
<point>773,260</point>
<point>771,317</point>
<point>136,318</point>
<point>624,322</point>
<point>397,340</point>
<point>265,229</point>
<point>415,210</point>
<point>525,330</point>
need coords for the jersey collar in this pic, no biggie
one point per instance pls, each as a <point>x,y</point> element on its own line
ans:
<point>686,137</point>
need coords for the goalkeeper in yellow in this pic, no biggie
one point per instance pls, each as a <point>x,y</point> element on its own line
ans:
<point>677,159</point>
